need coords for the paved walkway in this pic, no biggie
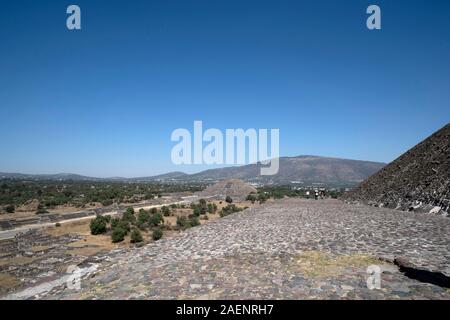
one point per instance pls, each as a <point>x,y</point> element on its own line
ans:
<point>289,249</point>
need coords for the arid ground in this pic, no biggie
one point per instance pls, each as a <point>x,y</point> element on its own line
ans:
<point>285,249</point>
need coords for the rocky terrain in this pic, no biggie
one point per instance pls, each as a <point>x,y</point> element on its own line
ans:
<point>418,180</point>
<point>287,249</point>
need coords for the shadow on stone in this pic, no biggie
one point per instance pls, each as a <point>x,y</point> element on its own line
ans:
<point>436,278</point>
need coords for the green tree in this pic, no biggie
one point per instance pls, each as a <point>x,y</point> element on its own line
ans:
<point>98,225</point>
<point>118,235</point>
<point>251,197</point>
<point>143,217</point>
<point>125,225</point>
<point>156,219</point>
<point>165,210</point>
<point>196,211</point>
<point>128,215</point>
<point>194,221</point>
<point>157,234</point>
<point>114,222</point>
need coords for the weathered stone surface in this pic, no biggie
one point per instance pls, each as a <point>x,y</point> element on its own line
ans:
<point>289,249</point>
<point>418,179</point>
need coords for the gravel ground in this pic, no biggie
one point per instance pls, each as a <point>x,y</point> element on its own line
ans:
<point>287,249</point>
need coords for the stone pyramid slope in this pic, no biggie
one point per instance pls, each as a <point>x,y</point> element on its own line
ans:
<point>418,180</point>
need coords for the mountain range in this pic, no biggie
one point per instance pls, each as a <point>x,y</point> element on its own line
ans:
<point>302,169</point>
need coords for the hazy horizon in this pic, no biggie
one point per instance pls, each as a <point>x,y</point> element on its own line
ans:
<point>156,174</point>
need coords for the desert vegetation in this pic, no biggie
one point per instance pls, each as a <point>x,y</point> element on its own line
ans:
<point>79,194</point>
<point>154,222</point>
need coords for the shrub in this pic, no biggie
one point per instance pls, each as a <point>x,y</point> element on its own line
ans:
<point>182,222</point>
<point>153,210</point>
<point>229,209</point>
<point>196,211</point>
<point>251,197</point>
<point>165,211</point>
<point>210,208</point>
<point>10,208</point>
<point>124,225</point>
<point>118,235</point>
<point>114,222</point>
<point>228,199</point>
<point>156,219</point>
<point>194,221</point>
<point>57,224</point>
<point>136,236</point>
<point>157,234</point>
<point>202,202</point>
<point>143,217</point>
<point>98,225</point>
<point>128,215</point>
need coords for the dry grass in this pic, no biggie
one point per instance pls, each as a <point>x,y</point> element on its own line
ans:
<point>80,227</point>
<point>40,248</point>
<point>7,282</point>
<point>16,261</point>
<point>321,264</point>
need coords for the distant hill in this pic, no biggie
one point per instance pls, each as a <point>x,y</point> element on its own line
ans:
<point>58,176</point>
<point>176,175</point>
<point>418,180</point>
<point>304,169</point>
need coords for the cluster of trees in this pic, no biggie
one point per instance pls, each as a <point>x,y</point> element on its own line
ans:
<point>184,223</point>
<point>153,220</point>
<point>202,207</point>
<point>261,197</point>
<point>130,222</point>
<point>229,209</point>
<point>14,193</point>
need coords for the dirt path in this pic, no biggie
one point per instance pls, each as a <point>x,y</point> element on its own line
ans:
<point>7,234</point>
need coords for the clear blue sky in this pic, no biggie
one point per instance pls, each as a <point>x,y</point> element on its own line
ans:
<point>103,101</point>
